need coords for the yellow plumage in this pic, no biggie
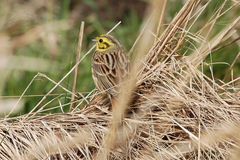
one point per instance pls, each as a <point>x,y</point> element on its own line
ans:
<point>110,65</point>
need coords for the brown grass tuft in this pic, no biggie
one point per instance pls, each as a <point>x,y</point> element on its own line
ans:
<point>168,109</point>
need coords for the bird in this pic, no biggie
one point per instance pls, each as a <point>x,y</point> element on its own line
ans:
<point>110,65</point>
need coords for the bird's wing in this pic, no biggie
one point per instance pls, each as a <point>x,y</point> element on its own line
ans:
<point>110,68</point>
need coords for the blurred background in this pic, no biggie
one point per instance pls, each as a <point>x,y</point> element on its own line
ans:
<point>42,36</point>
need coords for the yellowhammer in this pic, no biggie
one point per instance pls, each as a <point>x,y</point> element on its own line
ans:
<point>110,65</point>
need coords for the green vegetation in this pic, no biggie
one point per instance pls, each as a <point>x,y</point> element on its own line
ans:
<point>55,45</point>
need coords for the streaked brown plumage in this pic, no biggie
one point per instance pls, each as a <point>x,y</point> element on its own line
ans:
<point>110,65</point>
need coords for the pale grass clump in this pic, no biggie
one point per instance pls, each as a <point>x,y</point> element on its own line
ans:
<point>169,108</point>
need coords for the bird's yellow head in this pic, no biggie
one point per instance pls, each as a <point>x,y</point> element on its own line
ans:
<point>105,43</point>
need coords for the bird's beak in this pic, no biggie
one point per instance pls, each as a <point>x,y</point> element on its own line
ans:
<point>94,40</point>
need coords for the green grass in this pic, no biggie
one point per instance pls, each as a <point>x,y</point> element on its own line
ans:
<point>17,80</point>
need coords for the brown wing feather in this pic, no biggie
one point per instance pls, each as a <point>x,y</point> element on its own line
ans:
<point>109,69</point>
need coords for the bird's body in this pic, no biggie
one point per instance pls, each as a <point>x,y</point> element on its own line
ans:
<point>110,65</point>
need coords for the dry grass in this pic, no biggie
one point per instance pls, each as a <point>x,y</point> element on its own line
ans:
<point>168,110</point>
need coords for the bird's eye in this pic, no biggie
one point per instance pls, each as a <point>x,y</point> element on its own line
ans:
<point>100,40</point>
